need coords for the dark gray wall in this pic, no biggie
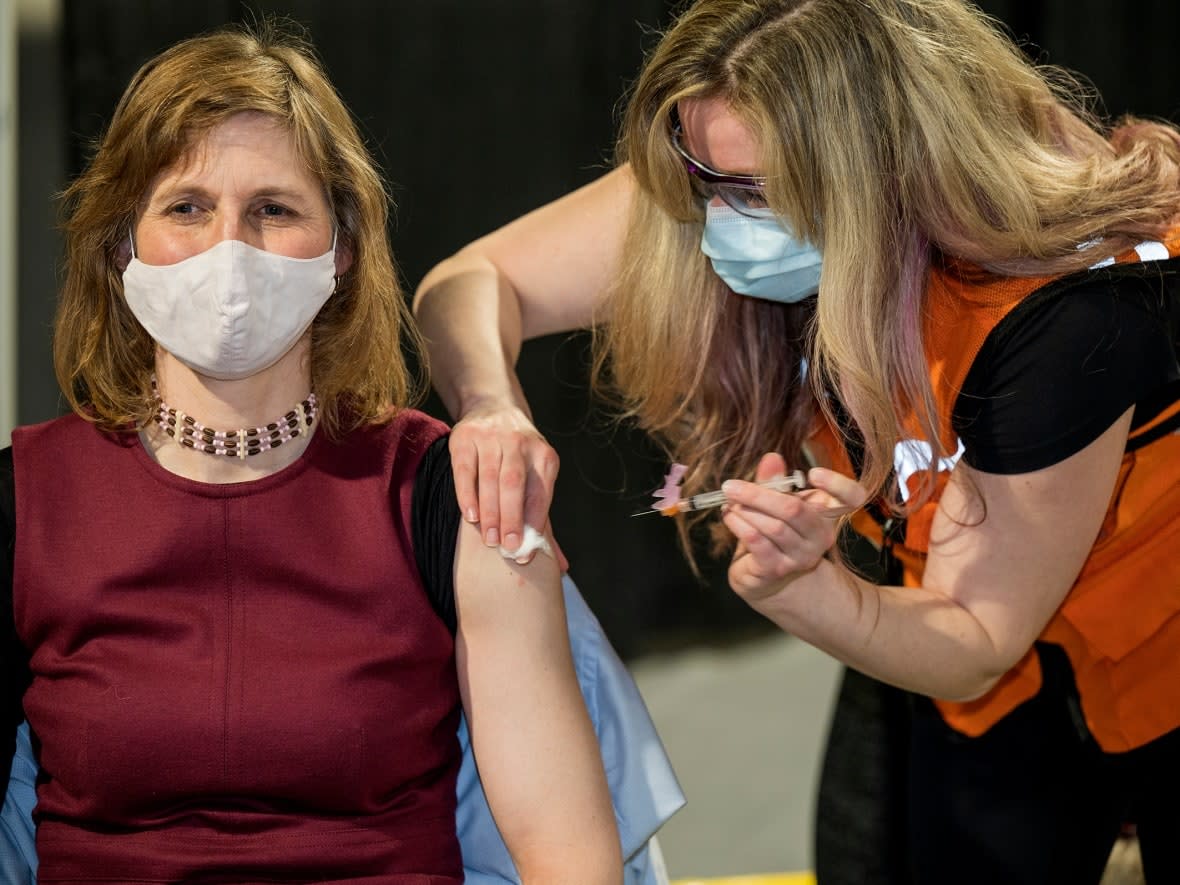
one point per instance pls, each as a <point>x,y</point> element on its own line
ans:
<point>42,149</point>
<point>1128,51</point>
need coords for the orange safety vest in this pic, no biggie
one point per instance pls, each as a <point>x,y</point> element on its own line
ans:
<point>1120,622</point>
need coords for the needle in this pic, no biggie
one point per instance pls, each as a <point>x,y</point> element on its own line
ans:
<point>794,482</point>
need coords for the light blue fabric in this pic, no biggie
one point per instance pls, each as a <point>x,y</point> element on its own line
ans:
<point>642,785</point>
<point>757,256</point>
<point>18,859</point>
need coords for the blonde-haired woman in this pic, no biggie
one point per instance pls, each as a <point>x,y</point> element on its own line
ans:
<point>994,342</point>
<point>243,652</point>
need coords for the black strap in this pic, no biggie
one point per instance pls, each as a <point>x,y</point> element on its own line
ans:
<point>434,527</point>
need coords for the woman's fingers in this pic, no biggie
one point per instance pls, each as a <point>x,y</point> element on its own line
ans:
<point>846,494</point>
<point>781,535</point>
<point>465,469</point>
<point>790,528</point>
<point>504,474</point>
<point>528,471</point>
<point>831,493</point>
<point>537,492</point>
<point>769,466</point>
<point>491,457</point>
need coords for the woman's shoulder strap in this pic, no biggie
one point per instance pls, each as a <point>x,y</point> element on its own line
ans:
<point>434,520</point>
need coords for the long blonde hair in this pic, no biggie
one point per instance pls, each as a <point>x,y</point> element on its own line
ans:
<point>103,356</point>
<point>891,131</point>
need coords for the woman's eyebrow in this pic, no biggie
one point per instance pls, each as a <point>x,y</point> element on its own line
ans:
<point>193,189</point>
<point>282,193</point>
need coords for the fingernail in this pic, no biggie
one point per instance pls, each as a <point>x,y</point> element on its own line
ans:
<point>512,541</point>
<point>729,486</point>
<point>524,560</point>
<point>492,538</point>
<point>472,516</point>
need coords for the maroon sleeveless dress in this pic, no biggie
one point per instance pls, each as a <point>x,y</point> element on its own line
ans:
<point>234,683</point>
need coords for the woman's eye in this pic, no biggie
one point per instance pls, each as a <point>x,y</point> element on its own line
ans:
<point>272,210</point>
<point>182,209</point>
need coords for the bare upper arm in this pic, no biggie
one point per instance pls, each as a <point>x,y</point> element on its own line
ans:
<point>511,609</point>
<point>534,744</point>
<point>558,259</point>
<point>1009,548</point>
<point>513,658</point>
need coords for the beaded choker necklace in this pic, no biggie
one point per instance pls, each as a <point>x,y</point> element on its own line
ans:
<point>192,434</point>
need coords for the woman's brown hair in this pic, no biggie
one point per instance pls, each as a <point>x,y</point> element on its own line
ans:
<point>103,357</point>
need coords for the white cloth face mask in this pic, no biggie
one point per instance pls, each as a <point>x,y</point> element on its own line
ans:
<point>232,310</point>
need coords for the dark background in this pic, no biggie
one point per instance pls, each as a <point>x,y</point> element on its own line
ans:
<point>478,110</point>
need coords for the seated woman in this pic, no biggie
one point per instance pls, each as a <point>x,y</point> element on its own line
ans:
<point>243,652</point>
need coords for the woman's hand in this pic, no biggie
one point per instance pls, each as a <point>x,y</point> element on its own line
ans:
<point>504,474</point>
<point>781,536</point>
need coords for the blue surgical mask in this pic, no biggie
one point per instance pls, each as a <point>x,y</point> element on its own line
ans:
<point>758,257</point>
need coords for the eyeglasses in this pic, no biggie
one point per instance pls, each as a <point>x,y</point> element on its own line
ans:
<point>743,193</point>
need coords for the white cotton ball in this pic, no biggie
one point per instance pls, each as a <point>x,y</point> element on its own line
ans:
<point>533,540</point>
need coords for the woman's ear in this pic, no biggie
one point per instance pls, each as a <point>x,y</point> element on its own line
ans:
<point>123,254</point>
<point>343,256</point>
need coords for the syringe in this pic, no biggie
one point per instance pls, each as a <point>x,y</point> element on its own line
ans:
<point>794,482</point>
